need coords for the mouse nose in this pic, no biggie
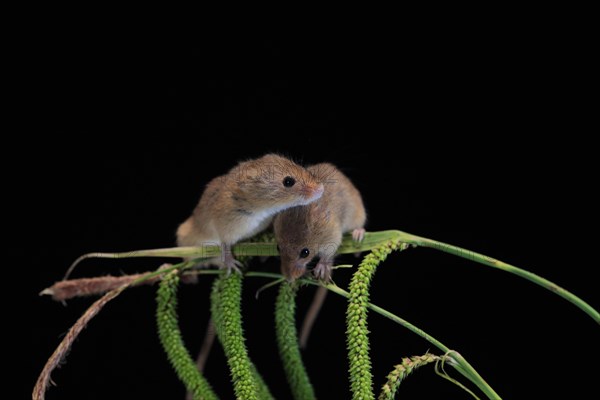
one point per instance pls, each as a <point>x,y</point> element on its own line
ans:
<point>293,272</point>
<point>313,192</point>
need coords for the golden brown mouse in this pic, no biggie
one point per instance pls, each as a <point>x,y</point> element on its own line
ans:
<point>242,203</point>
<point>239,205</point>
<point>316,229</point>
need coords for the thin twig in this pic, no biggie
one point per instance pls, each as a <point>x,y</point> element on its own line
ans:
<point>39,391</point>
<point>41,386</point>
<point>65,290</point>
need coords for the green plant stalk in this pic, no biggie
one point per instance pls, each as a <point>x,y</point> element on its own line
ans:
<point>333,288</point>
<point>170,338</point>
<point>250,248</point>
<point>227,316</point>
<point>408,239</point>
<point>287,342</point>
<point>492,262</point>
<point>401,371</point>
<point>357,338</point>
<point>371,241</point>
<point>256,247</point>
<point>460,364</point>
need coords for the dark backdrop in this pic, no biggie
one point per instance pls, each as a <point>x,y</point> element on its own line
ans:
<point>473,141</point>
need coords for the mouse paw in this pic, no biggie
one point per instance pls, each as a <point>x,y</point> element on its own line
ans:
<point>322,271</point>
<point>358,234</point>
<point>233,265</point>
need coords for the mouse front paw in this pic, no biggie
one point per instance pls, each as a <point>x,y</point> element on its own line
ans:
<point>322,271</point>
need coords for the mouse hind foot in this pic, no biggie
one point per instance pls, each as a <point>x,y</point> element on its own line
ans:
<point>358,234</point>
<point>229,262</point>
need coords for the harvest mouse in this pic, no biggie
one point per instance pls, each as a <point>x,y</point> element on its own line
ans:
<point>239,205</point>
<point>315,230</point>
<point>242,203</point>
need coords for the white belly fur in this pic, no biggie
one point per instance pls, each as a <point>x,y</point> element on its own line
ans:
<point>249,226</point>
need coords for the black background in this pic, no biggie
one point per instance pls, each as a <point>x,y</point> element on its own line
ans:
<point>472,139</point>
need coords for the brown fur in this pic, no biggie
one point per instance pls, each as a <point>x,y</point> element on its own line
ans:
<point>242,203</point>
<point>319,226</point>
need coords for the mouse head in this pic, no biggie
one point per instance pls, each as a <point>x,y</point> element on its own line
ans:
<point>294,260</point>
<point>273,181</point>
<point>295,249</point>
<point>303,234</point>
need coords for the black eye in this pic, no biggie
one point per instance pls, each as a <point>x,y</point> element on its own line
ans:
<point>304,253</point>
<point>288,181</point>
<point>278,249</point>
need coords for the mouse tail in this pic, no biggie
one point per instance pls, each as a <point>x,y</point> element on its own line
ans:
<point>311,315</point>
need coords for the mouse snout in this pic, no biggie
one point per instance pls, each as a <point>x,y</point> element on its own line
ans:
<point>313,191</point>
<point>296,273</point>
<point>293,271</point>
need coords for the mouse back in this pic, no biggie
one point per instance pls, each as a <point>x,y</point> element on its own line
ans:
<point>341,198</point>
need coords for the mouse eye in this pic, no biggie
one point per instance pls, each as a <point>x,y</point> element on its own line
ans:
<point>304,253</point>
<point>278,249</point>
<point>288,181</point>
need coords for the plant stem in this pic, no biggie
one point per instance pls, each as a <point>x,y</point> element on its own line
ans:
<point>357,334</point>
<point>370,241</point>
<point>492,262</point>
<point>227,316</point>
<point>462,366</point>
<point>287,342</point>
<point>170,338</point>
